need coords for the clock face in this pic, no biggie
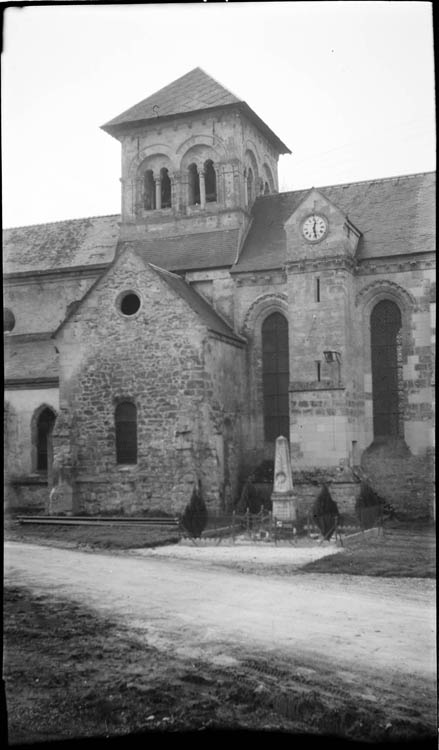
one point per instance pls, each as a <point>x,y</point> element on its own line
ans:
<point>314,228</point>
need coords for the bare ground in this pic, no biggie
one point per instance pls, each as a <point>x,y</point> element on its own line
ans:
<point>98,644</point>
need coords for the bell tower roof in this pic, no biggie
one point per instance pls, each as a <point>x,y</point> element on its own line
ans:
<point>194,92</point>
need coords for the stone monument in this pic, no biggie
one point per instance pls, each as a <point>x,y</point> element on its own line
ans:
<point>283,498</point>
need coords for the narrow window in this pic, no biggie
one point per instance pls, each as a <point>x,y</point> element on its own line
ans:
<point>317,290</point>
<point>194,185</point>
<point>165,184</point>
<point>275,369</point>
<point>319,371</point>
<point>149,191</point>
<point>385,325</point>
<point>210,181</point>
<point>126,433</point>
<point>266,188</point>
<point>45,423</point>
<point>250,186</point>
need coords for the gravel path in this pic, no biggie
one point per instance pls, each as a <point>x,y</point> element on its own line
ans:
<point>362,623</point>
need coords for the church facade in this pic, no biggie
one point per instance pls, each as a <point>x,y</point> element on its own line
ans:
<point>172,344</point>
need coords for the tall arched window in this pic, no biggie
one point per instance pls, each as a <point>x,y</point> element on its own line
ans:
<point>210,181</point>
<point>165,187</point>
<point>45,423</point>
<point>194,185</point>
<point>149,191</point>
<point>385,327</point>
<point>126,433</point>
<point>250,185</point>
<point>275,377</point>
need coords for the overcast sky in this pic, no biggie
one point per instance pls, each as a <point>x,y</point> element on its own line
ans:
<point>348,86</point>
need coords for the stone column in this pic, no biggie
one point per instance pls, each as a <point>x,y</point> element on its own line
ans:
<point>158,193</point>
<point>202,188</point>
<point>283,498</point>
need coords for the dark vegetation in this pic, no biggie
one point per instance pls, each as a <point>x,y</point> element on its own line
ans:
<point>194,518</point>
<point>71,674</point>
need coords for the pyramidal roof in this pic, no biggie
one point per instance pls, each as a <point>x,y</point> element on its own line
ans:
<point>192,92</point>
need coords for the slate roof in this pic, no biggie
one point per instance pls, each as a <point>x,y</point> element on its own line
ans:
<point>211,319</point>
<point>32,359</point>
<point>189,251</point>
<point>395,215</point>
<point>60,244</point>
<point>192,92</point>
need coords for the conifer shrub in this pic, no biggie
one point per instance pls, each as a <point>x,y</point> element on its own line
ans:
<point>325,512</point>
<point>194,519</point>
<point>369,506</point>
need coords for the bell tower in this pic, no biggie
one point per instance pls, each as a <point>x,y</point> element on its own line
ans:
<point>194,158</point>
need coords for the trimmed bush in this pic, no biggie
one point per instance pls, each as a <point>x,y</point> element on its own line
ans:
<point>194,519</point>
<point>369,506</point>
<point>325,512</point>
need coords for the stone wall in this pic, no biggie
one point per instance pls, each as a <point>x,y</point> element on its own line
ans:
<point>404,480</point>
<point>226,137</point>
<point>156,359</point>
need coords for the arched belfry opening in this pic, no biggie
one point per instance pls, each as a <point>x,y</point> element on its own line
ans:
<point>275,376</point>
<point>385,330</point>
<point>193,185</point>
<point>149,191</point>
<point>210,181</point>
<point>165,188</point>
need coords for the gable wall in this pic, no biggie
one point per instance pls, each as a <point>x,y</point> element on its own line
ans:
<point>154,358</point>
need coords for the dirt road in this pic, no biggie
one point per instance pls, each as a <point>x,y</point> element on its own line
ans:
<point>371,625</point>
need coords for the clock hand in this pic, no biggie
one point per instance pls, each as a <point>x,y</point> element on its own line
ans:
<point>314,228</point>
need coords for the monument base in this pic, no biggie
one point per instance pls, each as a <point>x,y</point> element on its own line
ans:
<point>284,507</point>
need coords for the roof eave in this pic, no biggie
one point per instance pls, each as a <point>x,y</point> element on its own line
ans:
<point>116,129</point>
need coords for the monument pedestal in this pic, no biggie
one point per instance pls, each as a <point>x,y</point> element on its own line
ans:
<point>284,506</point>
<point>283,498</point>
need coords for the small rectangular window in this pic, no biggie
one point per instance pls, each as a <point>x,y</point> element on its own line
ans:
<point>317,290</point>
<point>319,371</point>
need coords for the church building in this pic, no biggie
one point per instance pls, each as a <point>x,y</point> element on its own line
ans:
<point>173,343</point>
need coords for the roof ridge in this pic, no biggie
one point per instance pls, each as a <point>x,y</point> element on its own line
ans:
<point>61,221</point>
<point>355,182</point>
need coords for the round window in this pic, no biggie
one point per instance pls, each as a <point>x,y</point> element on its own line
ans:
<point>129,303</point>
<point>8,319</point>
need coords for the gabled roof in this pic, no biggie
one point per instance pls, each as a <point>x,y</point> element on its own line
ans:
<point>395,215</point>
<point>192,92</point>
<point>60,244</point>
<point>209,317</point>
<point>188,252</point>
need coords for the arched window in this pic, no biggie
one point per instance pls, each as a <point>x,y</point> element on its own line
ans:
<point>210,181</point>
<point>149,191</point>
<point>385,327</point>
<point>194,185</point>
<point>126,433</point>
<point>45,423</point>
<point>250,185</point>
<point>275,376</point>
<point>165,187</point>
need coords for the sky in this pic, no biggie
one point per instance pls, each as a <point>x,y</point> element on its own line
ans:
<point>348,86</point>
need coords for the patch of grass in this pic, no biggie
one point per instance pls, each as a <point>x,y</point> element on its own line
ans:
<point>100,537</point>
<point>400,552</point>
